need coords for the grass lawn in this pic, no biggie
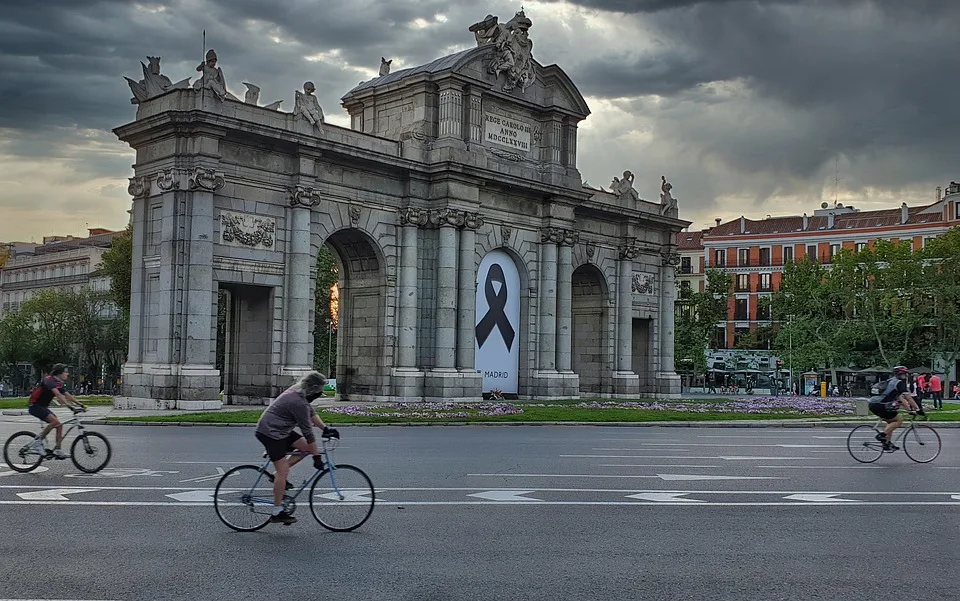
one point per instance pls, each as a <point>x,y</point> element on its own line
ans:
<point>21,402</point>
<point>558,411</point>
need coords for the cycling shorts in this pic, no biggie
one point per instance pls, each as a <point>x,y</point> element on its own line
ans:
<point>883,411</point>
<point>39,411</point>
<point>278,449</point>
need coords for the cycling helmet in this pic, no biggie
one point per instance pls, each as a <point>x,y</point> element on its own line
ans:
<point>900,370</point>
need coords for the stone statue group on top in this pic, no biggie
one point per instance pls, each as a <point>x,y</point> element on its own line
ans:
<point>623,188</point>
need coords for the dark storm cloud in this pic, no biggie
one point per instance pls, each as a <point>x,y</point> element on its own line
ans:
<point>750,98</point>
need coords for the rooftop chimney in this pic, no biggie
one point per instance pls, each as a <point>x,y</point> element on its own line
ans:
<point>743,224</point>
<point>718,221</point>
<point>806,221</point>
<point>904,213</point>
<point>939,193</point>
<point>830,218</point>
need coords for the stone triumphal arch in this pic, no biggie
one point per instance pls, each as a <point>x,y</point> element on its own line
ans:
<point>473,258</point>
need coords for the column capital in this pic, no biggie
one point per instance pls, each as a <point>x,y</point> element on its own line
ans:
<point>301,196</point>
<point>669,257</point>
<point>206,179</point>
<point>570,238</point>
<point>629,250</point>
<point>455,218</point>
<point>552,234</point>
<point>414,216</point>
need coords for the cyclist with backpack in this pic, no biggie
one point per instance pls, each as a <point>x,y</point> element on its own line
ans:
<point>52,387</point>
<point>894,395</point>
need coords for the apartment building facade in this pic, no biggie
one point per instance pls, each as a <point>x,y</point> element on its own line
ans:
<point>60,262</point>
<point>754,252</point>
<point>691,271</point>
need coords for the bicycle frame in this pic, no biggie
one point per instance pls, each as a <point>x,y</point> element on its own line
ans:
<point>77,425</point>
<point>904,427</point>
<point>329,464</point>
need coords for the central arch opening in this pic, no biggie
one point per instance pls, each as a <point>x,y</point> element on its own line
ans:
<point>349,315</point>
<point>590,338</point>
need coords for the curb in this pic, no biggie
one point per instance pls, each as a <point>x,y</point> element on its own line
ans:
<point>721,424</point>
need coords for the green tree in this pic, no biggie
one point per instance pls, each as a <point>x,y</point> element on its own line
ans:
<point>52,315</point>
<point>328,273</point>
<point>942,277</point>
<point>117,263</point>
<point>809,310</point>
<point>698,314</point>
<point>16,343</point>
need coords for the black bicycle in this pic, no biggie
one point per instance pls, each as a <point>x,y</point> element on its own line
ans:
<point>90,451</point>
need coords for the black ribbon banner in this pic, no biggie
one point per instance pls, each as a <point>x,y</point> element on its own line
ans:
<point>496,303</point>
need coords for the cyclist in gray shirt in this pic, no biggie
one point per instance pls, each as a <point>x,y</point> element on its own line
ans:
<point>276,431</point>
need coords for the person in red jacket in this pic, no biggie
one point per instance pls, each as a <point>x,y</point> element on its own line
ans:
<point>936,391</point>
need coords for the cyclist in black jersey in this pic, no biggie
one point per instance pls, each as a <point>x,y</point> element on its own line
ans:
<point>886,406</point>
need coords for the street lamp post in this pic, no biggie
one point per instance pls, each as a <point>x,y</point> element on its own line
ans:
<point>790,352</point>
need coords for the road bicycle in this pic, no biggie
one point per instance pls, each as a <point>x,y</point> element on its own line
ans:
<point>341,496</point>
<point>920,442</point>
<point>90,451</point>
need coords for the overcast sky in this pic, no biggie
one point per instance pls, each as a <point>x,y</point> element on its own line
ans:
<point>748,107</point>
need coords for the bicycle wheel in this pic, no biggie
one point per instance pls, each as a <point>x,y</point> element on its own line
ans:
<point>342,500</point>
<point>19,454</point>
<point>90,452</point>
<point>921,443</point>
<point>244,498</point>
<point>863,445</point>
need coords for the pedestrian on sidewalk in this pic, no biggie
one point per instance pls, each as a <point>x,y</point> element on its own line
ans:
<point>936,391</point>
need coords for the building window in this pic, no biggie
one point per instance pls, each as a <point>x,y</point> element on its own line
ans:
<point>764,257</point>
<point>686,265</point>
<point>719,338</point>
<point>685,284</point>
<point>719,258</point>
<point>763,308</point>
<point>743,256</point>
<point>740,309</point>
<point>834,251</point>
<point>812,252</point>
<point>740,335</point>
<point>743,282</point>
<point>860,246</point>
<point>787,254</point>
<point>765,281</point>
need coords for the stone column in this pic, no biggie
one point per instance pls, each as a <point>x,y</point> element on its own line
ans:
<point>625,308</point>
<point>549,238</point>
<point>668,382</point>
<point>565,302</point>
<point>467,304</point>
<point>667,309</point>
<point>300,265</point>
<point>446,328</point>
<point>410,220</point>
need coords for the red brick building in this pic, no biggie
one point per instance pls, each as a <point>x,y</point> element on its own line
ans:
<point>754,252</point>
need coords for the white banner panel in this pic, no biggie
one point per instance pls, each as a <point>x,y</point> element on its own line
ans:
<point>498,322</point>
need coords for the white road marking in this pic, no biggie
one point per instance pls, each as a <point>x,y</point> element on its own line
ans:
<point>54,600</point>
<point>505,495</point>
<point>670,465</point>
<point>194,496</point>
<point>724,457</point>
<point>349,496</point>
<point>530,502</point>
<point>54,494</point>
<point>823,467</point>
<point>661,476</point>
<point>819,498</point>
<point>122,473</point>
<point>39,470</point>
<point>733,444</point>
<point>664,497</point>
<point>216,476</point>
<point>685,477</point>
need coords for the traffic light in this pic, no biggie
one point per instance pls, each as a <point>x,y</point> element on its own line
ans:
<point>779,364</point>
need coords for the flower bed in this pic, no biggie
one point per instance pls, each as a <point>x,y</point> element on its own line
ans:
<point>758,405</point>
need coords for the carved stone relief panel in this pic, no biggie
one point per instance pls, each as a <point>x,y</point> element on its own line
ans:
<point>244,230</point>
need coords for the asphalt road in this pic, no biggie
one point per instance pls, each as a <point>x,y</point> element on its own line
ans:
<point>499,513</point>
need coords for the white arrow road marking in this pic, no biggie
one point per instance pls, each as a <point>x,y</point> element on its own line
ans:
<point>709,477</point>
<point>38,470</point>
<point>957,497</point>
<point>205,478</point>
<point>820,498</point>
<point>504,495</point>
<point>663,497</point>
<point>193,496</point>
<point>55,494</point>
<point>349,496</point>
